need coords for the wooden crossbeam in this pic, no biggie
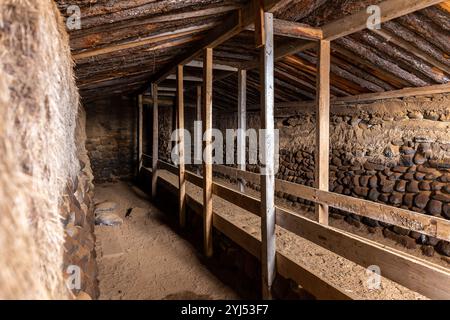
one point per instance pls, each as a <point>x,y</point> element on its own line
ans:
<point>366,97</point>
<point>292,29</point>
<point>234,24</point>
<point>389,9</point>
<point>428,225</point>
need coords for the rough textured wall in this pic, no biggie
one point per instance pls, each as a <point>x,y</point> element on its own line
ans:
<point>77,212</point>
<point>396,152</point>
<point>38,112</point>
<point>111,138</point>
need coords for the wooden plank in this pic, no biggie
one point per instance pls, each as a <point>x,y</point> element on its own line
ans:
<point>207,147</point>
<point>389,9</point>
<point>293,29</point>
<point>418,275</point>
<point>241,200</point>
<point>162,165</point>
<point>142,42</point>
<point>368,97</point>
<point>139,133</point>
<point>197,150</point>
<point>155,138</point>
<point>260,37</point>
<point>242,125</point>
<point>322,154</point>
<point>233,25</point>
<point>267,162</point>
<point>403,93</point>
<point>181,146</point>
<point>425,224</point>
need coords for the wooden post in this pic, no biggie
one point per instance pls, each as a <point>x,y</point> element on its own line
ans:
<point>207,147</point>
<point>181,151</point>
<point>139,133</point>
<point>242,124</point>
<point>155,147</point>
<point>267,145</point>
<point>322,126</point>
<point>199,118</point>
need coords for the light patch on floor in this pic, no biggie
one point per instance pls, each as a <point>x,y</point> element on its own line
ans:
<point>144,258</point>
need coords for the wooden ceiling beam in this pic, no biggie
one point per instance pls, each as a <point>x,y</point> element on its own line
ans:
<point>234,24</point>
<point>390,9</point>
<point>293,30</point>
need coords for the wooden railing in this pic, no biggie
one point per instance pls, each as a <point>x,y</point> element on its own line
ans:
<point>417,274</point>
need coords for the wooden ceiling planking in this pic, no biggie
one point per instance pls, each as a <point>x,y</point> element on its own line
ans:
<point>122,41</point>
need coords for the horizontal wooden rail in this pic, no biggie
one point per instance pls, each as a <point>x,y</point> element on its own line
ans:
<point>428,225</point>
<point>416,274</point>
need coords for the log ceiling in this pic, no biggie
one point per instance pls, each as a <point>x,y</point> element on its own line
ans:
<point>124,44</point>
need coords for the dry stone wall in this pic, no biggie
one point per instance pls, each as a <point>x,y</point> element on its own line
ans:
<point>395,152</point>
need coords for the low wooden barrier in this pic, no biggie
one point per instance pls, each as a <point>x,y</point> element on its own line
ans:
<point>414,273</point>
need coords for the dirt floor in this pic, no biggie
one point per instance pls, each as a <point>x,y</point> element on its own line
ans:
<point>144,258</point>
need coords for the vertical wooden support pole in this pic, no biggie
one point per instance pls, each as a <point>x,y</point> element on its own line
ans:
<point>207,147</point>
<point>323,126</point>
<point>267,145</point>
<point>139,133</point>
<point>155,140</point>
<point>242,124</point>
<point>199,118</point>
<point>181,146</point>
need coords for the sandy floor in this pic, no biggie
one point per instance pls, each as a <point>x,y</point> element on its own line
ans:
<point>144,258</point>
<point>339,271</point>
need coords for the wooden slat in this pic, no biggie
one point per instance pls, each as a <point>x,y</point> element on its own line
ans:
<point>416,274</point>
<point>322,154</point>
<point>181,146</point>
<point>390,9</point>
<point>268,152</point>
<point>141,42</point>
<point>207,155</point>
<point>155,138</point>
<point>242,125</point>
<point>293,29</point>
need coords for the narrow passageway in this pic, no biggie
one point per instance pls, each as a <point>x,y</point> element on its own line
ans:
<point>144,258</point>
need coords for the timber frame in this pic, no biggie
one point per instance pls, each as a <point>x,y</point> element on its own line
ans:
<point>400,267</point>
